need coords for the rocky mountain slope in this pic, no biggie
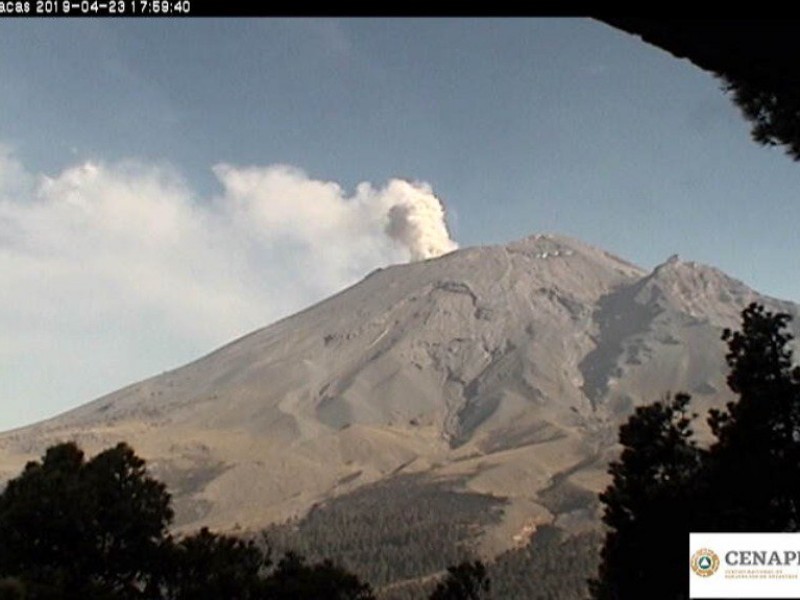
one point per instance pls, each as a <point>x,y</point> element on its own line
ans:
<point>501,371</point>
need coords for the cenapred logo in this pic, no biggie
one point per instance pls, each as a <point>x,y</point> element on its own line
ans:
<point>705,562</point>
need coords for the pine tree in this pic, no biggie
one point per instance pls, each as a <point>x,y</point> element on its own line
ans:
<point>664,486</point>
<point>648,505</point>
<point>76,529</point>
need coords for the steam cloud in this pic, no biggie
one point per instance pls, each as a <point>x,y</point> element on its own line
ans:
<point>122,267</point>
<point>281,199</point>
<point>417,221</point>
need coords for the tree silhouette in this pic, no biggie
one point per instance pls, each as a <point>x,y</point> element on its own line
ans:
<point>97,530</point>
<point>209,566</point>
<point>754,467</point>
<point>294,579</point>
<point>465,581</point>
<point>649,499</point>
<point>76,529</point>
<point>664,486</point>
<point>130,515</point>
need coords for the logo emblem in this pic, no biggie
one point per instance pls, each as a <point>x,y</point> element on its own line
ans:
<point>704,562</point>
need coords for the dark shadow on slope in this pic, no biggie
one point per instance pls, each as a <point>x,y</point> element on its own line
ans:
<point>618,317</point>
<point>480,399</point>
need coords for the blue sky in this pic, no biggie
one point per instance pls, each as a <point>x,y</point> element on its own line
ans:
<point>143,219</point>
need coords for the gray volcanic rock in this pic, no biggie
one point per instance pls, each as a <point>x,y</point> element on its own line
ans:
<point>506,369</point>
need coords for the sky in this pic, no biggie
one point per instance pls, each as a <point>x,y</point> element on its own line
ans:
<point>169,185</point>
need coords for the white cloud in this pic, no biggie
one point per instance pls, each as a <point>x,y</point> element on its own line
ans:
<point>113,272</point>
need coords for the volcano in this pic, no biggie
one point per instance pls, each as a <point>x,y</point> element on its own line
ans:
<point>502,371</point>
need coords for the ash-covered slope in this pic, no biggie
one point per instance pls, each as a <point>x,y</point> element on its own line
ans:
<point>447,342</point>
<point>504,369</point>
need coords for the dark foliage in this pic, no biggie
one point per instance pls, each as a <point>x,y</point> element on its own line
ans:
<point>775,113</point>
<point>294,579</point>
<point>404,528</point>
<point>553,566</point>
<point>209,566</point>
<point>12,589</point>
<point>665,487</point>
<point>465,581</point>
<point>399,534</point>
<point>97,530</point>
<point>753,476</point>
<point>649,499</point>
<point>76,529</point>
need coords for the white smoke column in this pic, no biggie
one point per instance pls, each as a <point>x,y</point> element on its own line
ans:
<point>350,234</point>
<point>417,220</point>
<point>126,268</point>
